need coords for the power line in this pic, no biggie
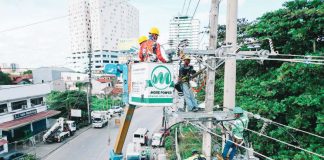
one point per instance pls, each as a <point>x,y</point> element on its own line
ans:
<point>193,15</point>
<point>188,7</point>
<point>208,130</point>
<point>45,21</point>
<point>35,23</point>
<point>260,134</point>
<point>279,124</point>
<point>183,6</point>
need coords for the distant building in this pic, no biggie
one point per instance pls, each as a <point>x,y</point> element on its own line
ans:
<point>23,112</point>
<point>12,68</point>
<point>100,24</point>
<point>184,27</point>
<point>48,74</point>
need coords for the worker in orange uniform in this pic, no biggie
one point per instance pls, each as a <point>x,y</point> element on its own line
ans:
<point>142,51</point>
<point>150,50</point>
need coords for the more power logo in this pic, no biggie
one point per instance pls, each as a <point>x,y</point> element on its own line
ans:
<point>161,77</point>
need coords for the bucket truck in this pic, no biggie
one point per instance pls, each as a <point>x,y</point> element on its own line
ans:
<point>60,130</point>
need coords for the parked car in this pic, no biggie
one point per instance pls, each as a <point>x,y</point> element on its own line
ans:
<point>157,140</point>
<point>13,155</point>
<point>116,109</point>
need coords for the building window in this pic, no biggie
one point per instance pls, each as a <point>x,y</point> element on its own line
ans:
<point>3,108</point>
<point>113,56</point>
<point>97,56</point>
<point>36,101</point>
<point>105,61</point>
<point>116,61</point>
<point>78,78</point>
<point>18,105</point>
<point>1,148</point>
<point>68,78</point>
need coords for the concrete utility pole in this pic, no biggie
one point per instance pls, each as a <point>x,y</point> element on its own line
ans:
<point>89,93</point>
<point>230,64</point>
<point>210,82</point>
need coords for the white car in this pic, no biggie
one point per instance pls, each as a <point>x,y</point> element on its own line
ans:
<point>116,109</point>
<point>157,140</point>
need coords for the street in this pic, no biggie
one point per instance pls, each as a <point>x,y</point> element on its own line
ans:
<point>93,144</point>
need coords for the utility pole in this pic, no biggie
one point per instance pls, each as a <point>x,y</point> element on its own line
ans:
<point>89,93</point>
<point>210,82</point>
<point>230,64</point>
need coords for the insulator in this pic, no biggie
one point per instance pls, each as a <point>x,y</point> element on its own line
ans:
<point>264,127</point>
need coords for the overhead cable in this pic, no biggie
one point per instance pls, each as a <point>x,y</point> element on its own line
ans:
<point>249,149</point>
<point>184,4</point>
<point>193,15</point>
<point>310,152</point>
<point>188,7</point>
<point>44,21</point>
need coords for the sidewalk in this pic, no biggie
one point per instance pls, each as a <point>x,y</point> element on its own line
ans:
<point>42,150</point>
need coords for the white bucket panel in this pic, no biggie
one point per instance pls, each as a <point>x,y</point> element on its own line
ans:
<point>152,84</point>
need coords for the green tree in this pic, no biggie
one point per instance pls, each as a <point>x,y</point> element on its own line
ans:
<point>5,79</point>
<point>288,93</point>
<point>67,100</point>
<point>28,72</point>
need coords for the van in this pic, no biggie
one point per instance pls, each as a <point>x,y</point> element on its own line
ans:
<point>157,140</point>
<point>141,136</point>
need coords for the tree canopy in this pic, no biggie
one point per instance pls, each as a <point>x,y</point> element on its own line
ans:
<point>288,93</point>
<point>5,79</point>
<point>67,100</point>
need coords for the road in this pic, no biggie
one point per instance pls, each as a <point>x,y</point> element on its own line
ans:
<point>93,144</point>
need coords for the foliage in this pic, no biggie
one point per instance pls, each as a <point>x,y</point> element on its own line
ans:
<point>5,79</point>
<point>288,93</point>
<point>29,157</point>
<point>81,85</point>
<point>67,100</point>
<point>27,72</point>
<point>103,103</point>
<point>294,28</point>
<point>242,26</point>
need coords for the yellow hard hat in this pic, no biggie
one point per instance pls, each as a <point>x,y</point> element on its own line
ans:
<point>142,39</point>
<point>154,30</point>
<point>186,57</point>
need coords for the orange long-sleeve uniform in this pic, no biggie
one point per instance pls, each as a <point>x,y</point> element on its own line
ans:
<point>150,51</point>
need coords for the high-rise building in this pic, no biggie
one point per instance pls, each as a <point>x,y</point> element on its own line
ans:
<point>184,27</point>
<point>100,24</point>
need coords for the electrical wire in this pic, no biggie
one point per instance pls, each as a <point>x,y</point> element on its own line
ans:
<point>45,21</point>
<point>183,6</point>
<point>282,125</point>
<point>208,130</point>
<point>193,15</point>
<point>310,152</point>
<point>35,23</point>
<point>188,7</point>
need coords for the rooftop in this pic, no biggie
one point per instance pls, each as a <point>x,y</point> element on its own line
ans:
<point>12,92</point>
<point>24,121</point>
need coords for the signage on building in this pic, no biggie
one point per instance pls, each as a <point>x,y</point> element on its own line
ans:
<point>25,114</point>
<point>75,112</point>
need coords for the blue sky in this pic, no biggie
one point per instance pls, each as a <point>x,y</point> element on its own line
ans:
<point>47,44</point>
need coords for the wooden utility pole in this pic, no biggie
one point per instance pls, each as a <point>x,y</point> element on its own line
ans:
<point>210,82</point>
<point>230,64</point>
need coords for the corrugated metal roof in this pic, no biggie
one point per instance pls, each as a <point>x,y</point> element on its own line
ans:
<point>12,92</point>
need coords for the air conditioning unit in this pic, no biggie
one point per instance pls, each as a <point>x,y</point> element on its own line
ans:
<point>24,106</point>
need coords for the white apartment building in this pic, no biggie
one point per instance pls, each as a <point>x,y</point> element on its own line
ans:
<point>100,24</point>
<point>183,27</point>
